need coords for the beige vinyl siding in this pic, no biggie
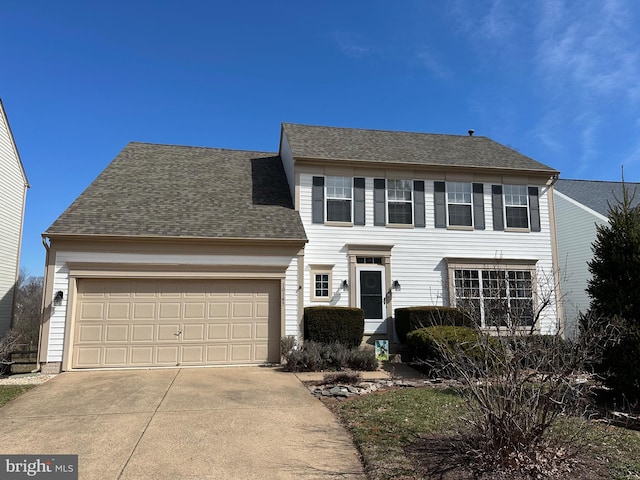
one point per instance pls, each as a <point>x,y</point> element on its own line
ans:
<point>418,254</point>
<point>576,232</point>
<point>60,314</point>
<point>12,198</point>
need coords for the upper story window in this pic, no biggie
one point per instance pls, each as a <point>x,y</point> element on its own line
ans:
<point>339,198</point>
<point>399,202</point>
<point>459,204</point>
<point>516,206</point>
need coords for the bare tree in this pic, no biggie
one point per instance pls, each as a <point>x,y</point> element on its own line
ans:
<point>27,308</point>
<point>516,382</point>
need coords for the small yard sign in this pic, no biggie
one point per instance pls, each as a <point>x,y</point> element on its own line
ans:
<point>382,350</point>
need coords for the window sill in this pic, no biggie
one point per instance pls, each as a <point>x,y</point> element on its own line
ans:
<point>339,224</point>
<point>399,225</point>
<point>467,228</point>
<point>517,230</point>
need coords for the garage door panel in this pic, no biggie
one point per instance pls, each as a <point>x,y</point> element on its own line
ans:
<point>194,311</point>
<point>117,333</point>
<point>143,333</point>
<point>169,311</point>
<point>144,311</point>
<point>219,310</point>
<point>242,331</point>
<point>167,333</point>
<point>219,331</point>
<point>242,353</point>
<point>122,323</point>
<point>193,354</point>
<point>90,333</point>
<point>116,356</point>
<point>242,309</point>
<point>194,332</point>
<point>167,355</point>
<point>118,311</point>
<point>262,331</point>
<point>88,356</point>
<point>92,311</point>
<point>217,354</point>
<point>142,356</point>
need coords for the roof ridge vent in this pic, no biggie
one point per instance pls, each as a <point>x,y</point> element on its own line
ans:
<point>471,132</point>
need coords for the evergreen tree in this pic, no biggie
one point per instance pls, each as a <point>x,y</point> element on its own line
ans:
<point>615,293</point>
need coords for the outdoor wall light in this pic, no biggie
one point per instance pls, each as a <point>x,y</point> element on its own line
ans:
<point>345,285</point>
<point>395,285</point>
<point>57,299</point>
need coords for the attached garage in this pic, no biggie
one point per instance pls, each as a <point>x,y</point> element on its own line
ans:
<point>153,323</point>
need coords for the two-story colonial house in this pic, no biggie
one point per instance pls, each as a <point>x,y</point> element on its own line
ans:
<point>199,256</point>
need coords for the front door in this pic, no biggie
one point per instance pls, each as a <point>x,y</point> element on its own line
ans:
<point>370,292</point>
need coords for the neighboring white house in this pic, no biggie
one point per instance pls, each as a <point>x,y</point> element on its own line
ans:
<point>13,193</point>
<point>200,256</point>
<point>580,206</point>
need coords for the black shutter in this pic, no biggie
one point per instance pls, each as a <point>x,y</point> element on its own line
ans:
<point>317,200</point>
<point>496,203</point>
<point>418,204</point>
<point>534,209</point>
<point>440,205</point>
<point>379,185</point>
<point>358,201</point>
<point>478,206</point>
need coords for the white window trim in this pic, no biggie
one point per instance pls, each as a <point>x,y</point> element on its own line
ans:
<point>446,196</point>
<point>387,201</point>
<point>507,228</point>
<point>488,265</point>
<point>327,198</point>
<point>321,270</point>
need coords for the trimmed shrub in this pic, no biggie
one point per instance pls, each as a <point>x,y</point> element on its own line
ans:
<point>621,367</point>
<point>318,357</point>
<point>334,324</point>
<point>412,318</point>
<point>425,344</point>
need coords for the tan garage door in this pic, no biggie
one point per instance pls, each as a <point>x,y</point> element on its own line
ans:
<point>144,323</point>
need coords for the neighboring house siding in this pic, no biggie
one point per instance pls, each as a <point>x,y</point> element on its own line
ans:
<point>418,258</point>
<point>12,198</point>
<point>287,162</point>
<point>61,282</point>
<point>576,232</point>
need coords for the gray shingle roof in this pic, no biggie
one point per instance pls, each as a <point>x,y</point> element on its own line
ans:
<point>176,191</point>
<point>334,143</point>
<point>597,194</point>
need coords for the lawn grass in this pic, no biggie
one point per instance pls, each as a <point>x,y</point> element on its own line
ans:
<point>385,424</point>
<point>9,392</point>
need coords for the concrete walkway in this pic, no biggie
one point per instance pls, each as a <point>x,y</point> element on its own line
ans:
<point>200,423</point>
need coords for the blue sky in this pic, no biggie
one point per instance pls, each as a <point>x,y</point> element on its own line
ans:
<point>557,80</point>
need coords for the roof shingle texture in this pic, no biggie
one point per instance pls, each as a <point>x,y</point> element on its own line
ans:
<point>596,194</point>
<point>383,146</point>
<point>176,191</point>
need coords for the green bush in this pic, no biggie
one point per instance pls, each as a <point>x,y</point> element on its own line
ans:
<point>334,324</point>
<point>412,318</point>
<point>426,344</point>
<point>318,357</point>
<point>620,365</point>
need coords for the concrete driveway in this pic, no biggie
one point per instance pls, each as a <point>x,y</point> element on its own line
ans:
<point>222,423</point>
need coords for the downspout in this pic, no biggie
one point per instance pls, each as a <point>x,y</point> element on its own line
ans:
<point>47,248</point>
<point>554,255</point>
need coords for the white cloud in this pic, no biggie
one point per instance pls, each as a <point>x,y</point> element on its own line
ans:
<point>429,60</point>
<point>351,44</point>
